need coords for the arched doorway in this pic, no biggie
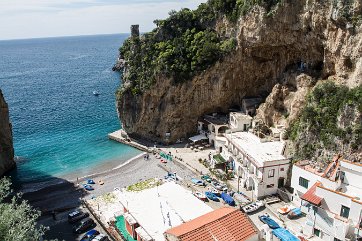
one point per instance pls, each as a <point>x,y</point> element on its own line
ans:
<point>241,172</point>
<point>251,184</point>
<point>222,129</point>
<point>231,163</point>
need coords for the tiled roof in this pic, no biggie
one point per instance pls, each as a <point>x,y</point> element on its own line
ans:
<point>223,224</point>
<point>310,195</point>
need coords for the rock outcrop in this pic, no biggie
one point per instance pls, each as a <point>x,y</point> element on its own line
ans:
<point>283,53</point>
<point>6,139</point>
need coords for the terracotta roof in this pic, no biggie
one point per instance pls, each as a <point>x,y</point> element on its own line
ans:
<point>310,195</point>
<point>223,224</point>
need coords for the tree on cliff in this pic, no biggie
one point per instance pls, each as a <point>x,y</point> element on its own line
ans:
<point>17,217</point>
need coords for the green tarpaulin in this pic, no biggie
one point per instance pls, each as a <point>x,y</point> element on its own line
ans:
<point>167,157</point>
<point>121,227</point>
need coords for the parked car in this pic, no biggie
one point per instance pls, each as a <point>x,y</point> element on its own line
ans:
<point>88,187</point>
<point>197,182</point>
<point>90,235</point>
<point>84,225</point>
<point>163,161</point>
<point>101,237</point>
<point>75,216</point>
<point>206,178</point>
<point>171,176</point>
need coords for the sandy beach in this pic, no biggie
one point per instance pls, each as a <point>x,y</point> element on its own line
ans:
<point>66,195</point>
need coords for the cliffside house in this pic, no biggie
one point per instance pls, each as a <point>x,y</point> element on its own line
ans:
<point>259,163</point>
<point>221,224</point>
<point>331,197</point>
<point>214,126</point>
<point>150,212</point>
<point>217,125</point>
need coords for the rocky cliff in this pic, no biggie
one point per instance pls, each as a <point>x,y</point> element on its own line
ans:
<point>6,139</point>
<point>280,55</point>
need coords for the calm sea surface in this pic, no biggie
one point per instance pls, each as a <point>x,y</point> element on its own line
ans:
<point>60,128</point>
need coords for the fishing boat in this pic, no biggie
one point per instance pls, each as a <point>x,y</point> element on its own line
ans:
<point>211,196</point>
<point>215,192</point>
<point>200,196</point>
<point>90,181</point>
<point>294,213</point>
<point>285,209</point>
<point>252,207</point>
<point>197,182</point>
<point>95,93</point>
<point>270,222</point>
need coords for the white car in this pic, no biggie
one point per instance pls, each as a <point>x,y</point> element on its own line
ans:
<point>100,237</point>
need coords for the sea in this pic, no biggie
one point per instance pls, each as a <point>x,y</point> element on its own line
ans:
<point>59,127</point>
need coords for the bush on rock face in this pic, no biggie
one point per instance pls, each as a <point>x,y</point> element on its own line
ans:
<point>330,120</point>
<point>182,45</point>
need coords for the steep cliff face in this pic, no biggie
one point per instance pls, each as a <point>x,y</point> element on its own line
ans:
<point>284,53</point>
<point>6,139</point>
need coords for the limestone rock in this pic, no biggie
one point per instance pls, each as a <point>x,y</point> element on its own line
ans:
<point>6,139</point>
<point>284,54</point>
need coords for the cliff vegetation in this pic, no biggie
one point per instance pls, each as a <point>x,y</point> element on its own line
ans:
<point>302,57</point>
<point>330,122</point>
<point>184,44</point>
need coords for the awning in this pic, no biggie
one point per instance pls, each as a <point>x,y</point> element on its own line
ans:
<point>219,159</point>
<point>284,235</point>
<point>311,197</point>
<point>166,156</point>
<point>198,138</point>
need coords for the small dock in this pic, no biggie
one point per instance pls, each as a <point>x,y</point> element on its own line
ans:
<point>117,136</point>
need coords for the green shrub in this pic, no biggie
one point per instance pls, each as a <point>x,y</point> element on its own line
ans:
<point>317,127</point>
<point>182,45</point>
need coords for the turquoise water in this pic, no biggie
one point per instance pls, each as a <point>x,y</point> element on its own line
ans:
<point>60,127</point>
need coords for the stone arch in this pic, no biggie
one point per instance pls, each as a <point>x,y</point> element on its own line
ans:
<point>251,184</point>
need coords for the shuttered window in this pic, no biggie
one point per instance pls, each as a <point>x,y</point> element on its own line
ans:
<point>303,182</point>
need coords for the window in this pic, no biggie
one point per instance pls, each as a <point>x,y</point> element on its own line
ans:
<point>336,239</point>
<point>303,182</point>
<point>344,212</point>
<point>317,232</point>
<point>282,169</point>
<point>271,173</point>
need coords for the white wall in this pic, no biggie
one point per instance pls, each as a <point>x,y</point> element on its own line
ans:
<point>353,174</point>
<point>237,122</point>
<point>299,190</point>
<point>279,172</point>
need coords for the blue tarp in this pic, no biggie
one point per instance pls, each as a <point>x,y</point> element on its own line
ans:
<point>284,235</point>
<point>228,199</point>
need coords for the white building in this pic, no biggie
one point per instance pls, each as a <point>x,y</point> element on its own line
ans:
<point>149,213</point>
<point>330,197</point>
<point>217,125</point>
<point>239,121</point>
<point>260,164</point>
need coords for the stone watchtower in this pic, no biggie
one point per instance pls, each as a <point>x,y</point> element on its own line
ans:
<point>135,31</point>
